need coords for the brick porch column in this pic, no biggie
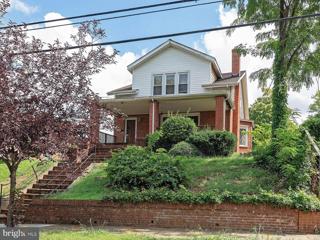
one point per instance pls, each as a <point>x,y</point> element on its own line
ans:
<point>220,118</point>
<point>154,121</point>
<point>94,123</point>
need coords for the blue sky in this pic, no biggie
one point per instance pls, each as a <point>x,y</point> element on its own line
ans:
<point>153,24</point>
<point>113,76</point>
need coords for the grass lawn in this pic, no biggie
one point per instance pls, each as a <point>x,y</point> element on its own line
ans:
<point>25,175</point>
<point>235,174</point>
<point>101,235</point>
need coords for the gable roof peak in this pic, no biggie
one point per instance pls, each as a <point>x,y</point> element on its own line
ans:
<point>172,43</point>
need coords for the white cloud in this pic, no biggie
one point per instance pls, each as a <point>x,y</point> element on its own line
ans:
<point>219,45</point>
<point>23,7</point>
<point>111,77</point>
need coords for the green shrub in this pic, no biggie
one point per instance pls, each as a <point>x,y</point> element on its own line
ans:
<point>213,143</point>
<point>184,149</point>
<point>137,168</point>
<point>294,199</point>
<point>153,139</point>
<point>177,128</point>
<point>286,156</point>
<point>312,124</point>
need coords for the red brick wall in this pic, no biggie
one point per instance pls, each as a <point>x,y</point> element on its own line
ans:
<point>235,62</point>
<point>207,118</point>
<point>119,130</point>
<point>220,119</point>
<point>142,126</point>
<point>207,216</point>
<point>249,148</point>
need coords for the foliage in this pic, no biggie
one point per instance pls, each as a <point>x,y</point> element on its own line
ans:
<point>286,156</point>
<point>261,135</point>
<point>289,43</point>
<point>4,4</point>
<point>315,106</point>
<point>294,199</point>
<point>312,124</point>
<point>261,110</point>
<point>184,149</point>
<point>135,167</point>
<point>177,128</point>
<point>45,98</point>
<point>213,143</point>
<point>153,140</point>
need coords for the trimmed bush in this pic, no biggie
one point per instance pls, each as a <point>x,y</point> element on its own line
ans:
<point>178,128</point>
<point>137,168</point>
<point>184,149</point>
<point>213,143</point>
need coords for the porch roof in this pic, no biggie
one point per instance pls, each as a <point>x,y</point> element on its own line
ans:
<point>179,103</point>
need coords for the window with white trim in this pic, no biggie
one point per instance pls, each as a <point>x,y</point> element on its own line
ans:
<point>157,85</point>
<point>183,82</point>
<point>170,79</point>
<point>243,141</point>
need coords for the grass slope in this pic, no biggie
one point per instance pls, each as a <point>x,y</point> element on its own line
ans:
<point>25,175</point>
<point>236,174</point>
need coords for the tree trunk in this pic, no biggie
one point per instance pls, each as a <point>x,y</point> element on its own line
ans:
<point>11,207</point>
<point>280,88</point>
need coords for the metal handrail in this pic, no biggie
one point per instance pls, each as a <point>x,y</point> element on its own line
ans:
<point>65,170</point>
<point>73,173</point>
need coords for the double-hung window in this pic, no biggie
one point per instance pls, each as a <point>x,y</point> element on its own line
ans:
<point>183,82</point>
<point>170,83</point>
<point>243,136</point>
<point>157,85</point>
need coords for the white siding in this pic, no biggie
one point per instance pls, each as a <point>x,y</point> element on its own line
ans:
<point>172,60</point>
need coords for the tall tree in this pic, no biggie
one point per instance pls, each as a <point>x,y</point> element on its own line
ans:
<point>294,46</point>
<point>4,4</point>
<point>315,106</point>
<point>45,98</point>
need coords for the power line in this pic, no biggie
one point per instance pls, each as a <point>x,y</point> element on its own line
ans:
<point>127,15</point>
<point>176,34</point>
<point>102,13</point>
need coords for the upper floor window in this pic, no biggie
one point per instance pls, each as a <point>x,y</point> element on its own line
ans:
<point>170,83</point>
<point>157,85</point>
<point>183,82</point>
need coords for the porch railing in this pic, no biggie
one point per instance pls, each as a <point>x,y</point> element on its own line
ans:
<point>106,138</point>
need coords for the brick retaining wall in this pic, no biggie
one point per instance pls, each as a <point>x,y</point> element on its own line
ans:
<point>225,216</point>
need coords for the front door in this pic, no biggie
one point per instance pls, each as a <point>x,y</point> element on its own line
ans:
<point>131,131</point>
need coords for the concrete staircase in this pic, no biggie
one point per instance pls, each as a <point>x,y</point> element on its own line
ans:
<point>61,177</point>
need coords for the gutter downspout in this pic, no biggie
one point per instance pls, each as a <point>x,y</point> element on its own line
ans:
<point>152,127</point>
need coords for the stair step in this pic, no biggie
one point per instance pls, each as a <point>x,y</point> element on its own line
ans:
<point>61,185</point>
<point>62,177</point>
<point>31,196</point>
<point>70,173</point>
<point>54,181</point>
<point>3,219</point>
<point>40,191</point>
<point>4,211</point>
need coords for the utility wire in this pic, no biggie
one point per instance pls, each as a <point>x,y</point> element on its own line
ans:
<point>176,34</point>
<point>102,13</point>
<point>124,16</point>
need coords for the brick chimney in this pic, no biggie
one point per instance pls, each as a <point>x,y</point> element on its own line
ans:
<point>235,62</point>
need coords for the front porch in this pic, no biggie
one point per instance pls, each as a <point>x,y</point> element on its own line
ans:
<point>144,116</point>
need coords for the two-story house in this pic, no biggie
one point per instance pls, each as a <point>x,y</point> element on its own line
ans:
<point>173,78</point>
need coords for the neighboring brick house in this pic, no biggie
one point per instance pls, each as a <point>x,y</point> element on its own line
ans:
<point>173,78</point>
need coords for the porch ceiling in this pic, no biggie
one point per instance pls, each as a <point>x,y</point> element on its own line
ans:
<point>166,105</point>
